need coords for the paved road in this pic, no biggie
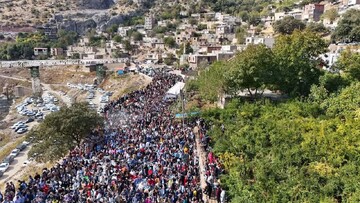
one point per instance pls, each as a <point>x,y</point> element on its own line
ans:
<point>29,63</point>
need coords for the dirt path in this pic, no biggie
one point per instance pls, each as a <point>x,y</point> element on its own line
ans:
<point>202,161</point>
<point>14,78</point>
<point>47,88</point>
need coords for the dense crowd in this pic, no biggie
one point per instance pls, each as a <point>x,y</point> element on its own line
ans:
<point>142,156</point>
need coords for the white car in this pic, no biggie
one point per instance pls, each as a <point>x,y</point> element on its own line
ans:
<point>21,130</point>
<point>14,152</point>
<point>17,124</point>
<point>4,167</point>
<point>26,143</point>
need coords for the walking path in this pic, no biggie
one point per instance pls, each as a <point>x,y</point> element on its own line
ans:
<point>202,162</point>
<point>202,159</point>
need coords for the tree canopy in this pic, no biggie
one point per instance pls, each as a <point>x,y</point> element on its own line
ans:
<point>348,28</point>
<point>331,14</point>
<point>288,25</point>
<point>211,81</point>
<point>62,131</point>
<point>291,67</point>
<point>290,152</point>
<point>251,70</point>
<point>137,36</point>
<point>297,60</point>
<point>349,63</point>
<point>170,42</point>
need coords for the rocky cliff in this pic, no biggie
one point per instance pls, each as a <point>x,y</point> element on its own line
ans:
<point>99,21</point>
<point>96,4</point>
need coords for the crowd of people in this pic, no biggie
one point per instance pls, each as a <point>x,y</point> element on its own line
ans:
<point>143,155</point>
<point>213,168</point>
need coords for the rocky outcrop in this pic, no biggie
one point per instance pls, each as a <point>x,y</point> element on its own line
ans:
<point>83,22</point>
<point>96,4</point>
<point>81,27</point>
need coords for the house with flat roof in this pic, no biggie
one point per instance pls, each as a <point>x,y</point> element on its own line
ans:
<point>40,51</point>
<point>313,12</point>
<point>267,41</point>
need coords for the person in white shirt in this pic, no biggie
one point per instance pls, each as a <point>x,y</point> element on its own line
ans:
<point>222,196</point>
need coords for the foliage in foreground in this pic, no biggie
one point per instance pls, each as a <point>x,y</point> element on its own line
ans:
<point>62,131</point>
<point>291,152</point>
<point>291,67</point>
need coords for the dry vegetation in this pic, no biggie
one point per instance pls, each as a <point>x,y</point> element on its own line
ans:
<point>9,147</point>
<point>4,139</point>
<point>27,13</point>
<point>35,12</point>
<point>124,84</point>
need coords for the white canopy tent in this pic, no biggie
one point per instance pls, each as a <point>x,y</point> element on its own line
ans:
<point>174,91</point>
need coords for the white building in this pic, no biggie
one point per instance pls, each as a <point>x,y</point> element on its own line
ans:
<point>267,41</point>
<point>40,51</point>
<point>149,22</point>
<point>122,31</point>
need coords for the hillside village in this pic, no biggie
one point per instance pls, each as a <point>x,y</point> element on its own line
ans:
<point>185,39</point>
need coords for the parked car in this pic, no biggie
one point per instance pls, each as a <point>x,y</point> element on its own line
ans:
<point>26,143</point>
<point>39,114</point>
<point>21,131</point>
<point>21,147</point>
<point>4,167</point>
<point>17,124</point>
<point>9,159</point>
<point>15,152</point>
<point>29,120</point>
<point>20,126</point>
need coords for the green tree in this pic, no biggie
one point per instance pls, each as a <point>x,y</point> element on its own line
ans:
<point>65,38</point>
<point>112,29</point>
<point>211,81</point>
<point>291,151</point>
<point>333,82</point>
<point>127,45</point>
<point>193,21</point>
<point>75,56</point>
<point>170,59</point>
<point>349,63</point>
<point>240,35</point>
<point>117,38</point>
<point>297,62</point>
<point>188,49</point>
<point>137,36</point>
<point>348,28</point>
<point>201,27</point>
<point>170,42</point>
<point>288,24</point>
<point>62,131</point>
<point>317,28</point>
<point>331,14</point>
<point>251,70</point>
